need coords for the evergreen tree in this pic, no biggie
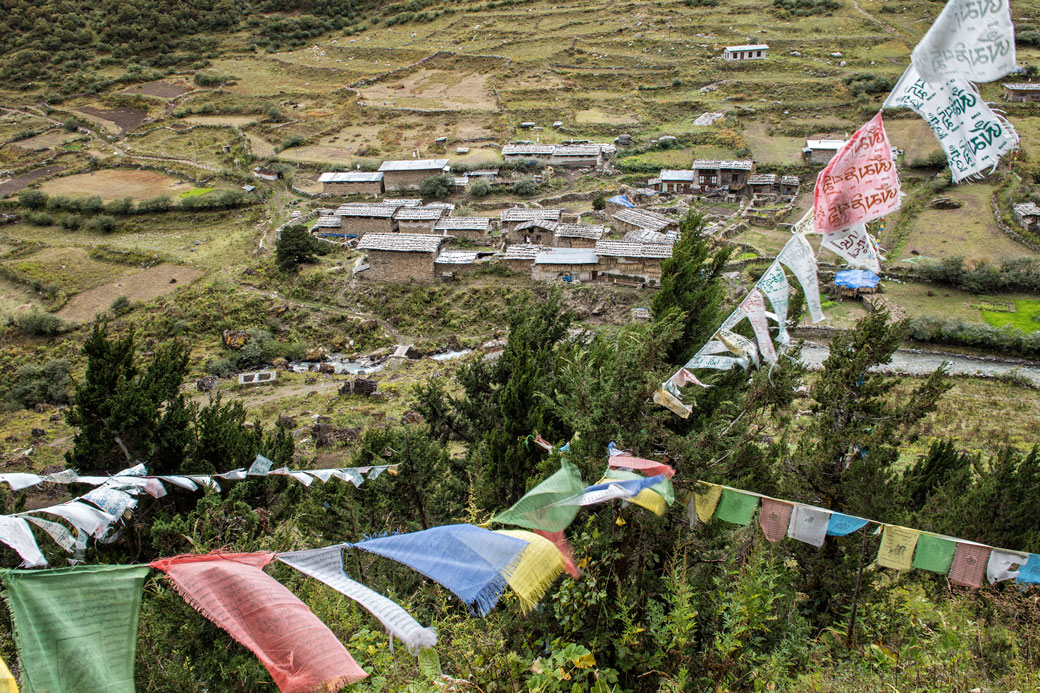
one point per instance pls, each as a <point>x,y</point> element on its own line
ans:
<point>295,247</point>
<point>691,283</point>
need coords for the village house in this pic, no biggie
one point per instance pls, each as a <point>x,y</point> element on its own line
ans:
<point>418,219</point>
<point>763,184</point>
<point>401,257</point>
<point>821,151</point>
<point>473,228</point>
<point>755,51</point>
<point>520,152</point>
<point>514,216</point>
<point>451,264</point>
<point>409,174</point>
<point>577,235</point>
<point>729,175</point>
<point>1027,214</point>
<point>640,219</point>
<point>268,174</point>
<point>632,261</point>
<point>577,155</point>
<point>488,174</point>
<point>789,185</point>
<point>651,237</point>
<point>676,181</point>
<point>330,225</point>
<point>568,264</point>
<point>537,231</point>
<point>1022,91</point>
<point>519,257</point>
<point>359,219</point>
<point>351,183</point>
<point>406,202</point>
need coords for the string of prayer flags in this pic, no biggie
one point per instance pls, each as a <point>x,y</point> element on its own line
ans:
<point>809,524</point>
<point>1001,565</point>
<point>326,565</point>
<point>774,518</point>
<point>540,564</point>
<point>969,564</point>
<point>233,591</point>
<point>972,136</point>
<point>773,284</point>
<point>646,498</point>
<point>670,401</point>
<point>76,628</point>
<point>551,505</point>
<point>566,550</point>
<point>934,553</point>
<point>1030,572</point>
<point>261,465</point>
<point>754,307</point>
<point>841,525</point>
<point>897,547</point>
<point>82,516</point>
<point>7,682</point>
<point>615,489</point>
<point>854,245</point>
<point>736,507</point>
<point>739,345</point>
<point>472,562</point>
<point>705,500</point>
<point>15,532</point>
<point>859,184</point>
<point>970,39</point>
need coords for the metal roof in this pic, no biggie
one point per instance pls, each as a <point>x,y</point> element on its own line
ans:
<point>578,150</point>
<point>402,242</point>
<point>328,223</point>
<point>591,231</point>
<point>419,214</point>
<point>363,210</point>
<point>643,218</point>
<point>440,205</point>
<point>397,202</point>
<point>414,165</point>
<point>350,177</point>
<point>528,149</point>
<point>657,251</point>
<point>748,47</point>
<point>681,175</point>
<point>527,213</point>
<point>566,256</point>
<point>762,179</point>
<point>825,144</point>
<point>728,164</point>
<point>522,251</point>
<point>456,257</point>
<point>463,223</point>
<point>1023,86</point>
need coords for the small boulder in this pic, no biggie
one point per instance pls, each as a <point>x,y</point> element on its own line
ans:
<point>206,383</point>
<point>280,363</point>
<point>327,368</point>
<point>325,435</point>
<point>287,421</point>
<point>234,339</point>
<point>38,433</point>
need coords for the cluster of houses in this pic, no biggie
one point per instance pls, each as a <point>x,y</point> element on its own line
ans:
<point>408,241</point>
<point>728,178</point>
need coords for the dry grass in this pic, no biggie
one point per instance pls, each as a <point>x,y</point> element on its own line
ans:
<point>141,286</point>
<point>435,89</point>
<point>113,184</point>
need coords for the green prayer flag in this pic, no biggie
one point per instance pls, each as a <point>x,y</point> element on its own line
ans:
<point>934,553</point>
<point>736,507</point>
<point>76,628</point>
<point>551,505</point>
<point>664,489</point>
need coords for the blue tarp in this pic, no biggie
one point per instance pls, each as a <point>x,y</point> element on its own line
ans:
<point>621,200</point>
<point>857,279</point>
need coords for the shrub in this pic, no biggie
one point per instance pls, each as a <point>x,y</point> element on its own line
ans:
<point>91,205</point>
<point>436,187</point>
<point>525,186</point>
<point>154,204</point>
<point>39,218</point>
<point>70,222</point>
<point>123,206</point>
<point>599,202</point>
<point>289,142</point>
<point>41,383</point>
<point>936,159</point>
<point>273,112</point>
<point>479,188</point>
<point>39,324</point>
<point>805,8</point>
<point>121,306</point>
<point>71,125</point>
<point>102,224</point>
<point>32,199</point>
<point>220,367</point>
<point>701,3</point>
<point>210,79</point>
<point>868,83</point>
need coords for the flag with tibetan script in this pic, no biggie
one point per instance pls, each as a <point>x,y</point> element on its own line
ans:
<point>1002,564</point>
<point>670,401</point>
<point>15,532</point>
<point>76,628</point>
<point>233,591</point>
<point>740,345</point>
<point>473,562</point>
<point>326,564</point>
<point>754,307</point>
<point>809,524</point>
<point>970,39</point>
<point>972,136</point>
<point>551,505</point>
<point>859,184</point>
<point>798,256</point>
<point>897,547</point>
<point>774,518</point>
<point>649,467</point>
<point>841,525</point>
<point>934,553</point>
<point>540,564</point>
<point>854,245</point>
<point>773,284</point>
<point>969,564</point>
<point>705,500</point>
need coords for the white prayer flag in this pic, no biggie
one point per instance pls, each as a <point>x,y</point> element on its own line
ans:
<point>808,524</point>
<point>754,306</point>
<point>1002,563</point>
<point>15,532</point>
<point>970,39</point>
<point>798,256</point>
<point>774,285</point>
<point>853,245</point>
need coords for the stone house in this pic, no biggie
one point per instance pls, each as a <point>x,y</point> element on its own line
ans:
<point>763,184</point>
<point>401,257</point>
<point>730,175</point>
<point>577,155</point>
<point>1027,214</point>
<point>632,261</point>
<point>568,264</point>
<point>473,228</point>
<point>651,237</point>
<point>1022,91</point>
<point>456,263</point>
<point>408,174</point>
<point>577,235</point>
<point>519,257</point>
<point>755,51</point>
<point>328,226</point>
<point>536,231</point>
<point>514,216</point>
<point>359,219</point>
<point>521,152</point>
<point>640,219</point>
<point>418,219</point>
<point>675,181</point>
<point>351,183</point>
<point>789,185</point>
<point>821,151</point>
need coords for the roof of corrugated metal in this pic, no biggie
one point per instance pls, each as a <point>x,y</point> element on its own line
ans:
<point>566,256</point>
<point>350,177</point>
<point>642,250</point>
<point>414,165</point>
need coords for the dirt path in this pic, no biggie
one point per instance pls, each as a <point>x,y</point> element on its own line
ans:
<point>878,22</point>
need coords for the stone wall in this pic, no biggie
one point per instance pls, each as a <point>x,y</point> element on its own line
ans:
<point>374,188</point>
<point>406,180</point>
<point>415,225</point>
<point>363,225</point>
<point>395,266</point>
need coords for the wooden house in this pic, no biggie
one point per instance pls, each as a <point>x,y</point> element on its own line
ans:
<point>568,264</point>
<point>676,181</point>
<point>730,175</point>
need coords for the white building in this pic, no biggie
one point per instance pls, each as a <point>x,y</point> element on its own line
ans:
<point>755,51</point>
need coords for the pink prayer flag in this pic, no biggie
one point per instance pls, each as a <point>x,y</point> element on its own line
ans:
<point>566,550</point>
<point>233,591</point>
<point>774,518</point>
<point>683,377</point>
<point>859,184</point>
<point>969,564</point>
<point>648,467</point>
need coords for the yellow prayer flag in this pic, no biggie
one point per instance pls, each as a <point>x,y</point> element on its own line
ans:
<point>706,502</point>
<point>540,564</point>
<point>671,402</point>
<point>897,547</point>
<point>7,682</point>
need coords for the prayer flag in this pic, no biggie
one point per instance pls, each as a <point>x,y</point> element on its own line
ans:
<point>934,553</point>
<point>654,498</point>
<point>7,682</point>
<point>970,39</point>
<point>855,246</point>
<point>15,532</point>
<point>969,564</point>
<point>739,345</point>
<point>897,547</point>
<point>736,506</point>
<point>683,376</point>
<point>809,524</point>
<point>614,489</point>
<point>61,536</point>
<point>669,401</point>
<point>773,284</point>
<point>551,505</point>
<point>774,518</point>
<point>647,467</point>
<point>798,256</point>
<point>540,564</point>
<point>1030,572</point>
<point>82,516</point>
<point>1001,565</point>
<point>326,564</point>
<point>472,562</point>
<point>19,480</point>
<point>706,500</point>
<point>261,466</point>
<point>859,184</point>
<point>565,549</point>
<point>754,306</point>
<point>233,591</point>
<point>841,525</point>
<point>76,628</point>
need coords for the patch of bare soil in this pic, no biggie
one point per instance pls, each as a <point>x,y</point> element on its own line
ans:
<point>160,88</point>
<point>142,286</point>
<point>20,182</point>
<point>123,119</point>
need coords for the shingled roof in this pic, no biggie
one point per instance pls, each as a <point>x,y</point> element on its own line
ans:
<point>402,242</point>
<point>591,231</point>
<point>643,218</point>
<point>363,210</point>
<point>528,213</point>
<point>463,224</point>
<point>657,251</point>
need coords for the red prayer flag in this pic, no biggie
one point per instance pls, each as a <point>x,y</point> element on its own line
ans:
<point>969,564</point>
<point>774,518</point>
<point>859,184</point>
<point>566,550</point>
<point>648,467</point>
<point>233,591</point>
